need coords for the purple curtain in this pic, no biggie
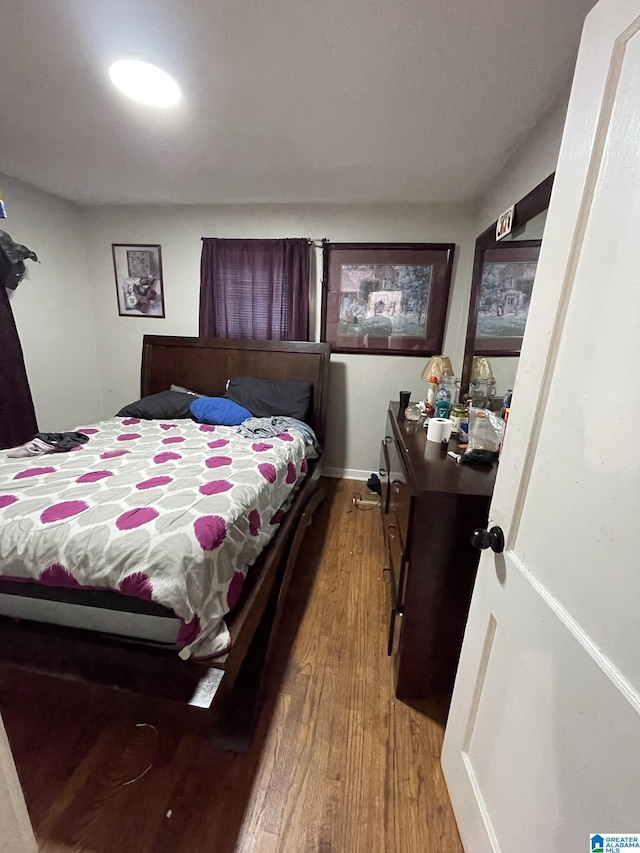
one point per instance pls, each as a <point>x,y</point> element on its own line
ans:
<point>256,289</point>
<point>17,415</point>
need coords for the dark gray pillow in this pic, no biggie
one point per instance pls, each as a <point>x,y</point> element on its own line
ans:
<point>268,397</point>
<point>166,404</point>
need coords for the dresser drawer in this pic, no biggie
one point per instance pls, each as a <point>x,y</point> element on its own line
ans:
<point>399,493</point>
<point>396,558</point>
<point>395,612</point>
<point>393,541</point>
<point>384,478</point>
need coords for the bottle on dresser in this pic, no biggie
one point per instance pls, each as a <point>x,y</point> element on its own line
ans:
<point>504,414</point>
<point>506,403</point>
<point>431,393</point>
<point>443,402</point>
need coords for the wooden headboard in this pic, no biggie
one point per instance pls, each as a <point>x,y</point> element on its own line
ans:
<point>205,364</point>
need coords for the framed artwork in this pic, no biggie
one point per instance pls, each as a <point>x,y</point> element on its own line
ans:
<point>505,223</point>
<point>139,282</point>
<point>506,285</point>
<point>386,298</point>
<point>138,262</point>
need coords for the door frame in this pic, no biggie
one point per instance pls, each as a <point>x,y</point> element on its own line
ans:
<point>17,833</point>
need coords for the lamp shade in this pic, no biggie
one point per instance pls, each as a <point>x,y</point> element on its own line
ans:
<point>438,366</point>
<point>481,368</point>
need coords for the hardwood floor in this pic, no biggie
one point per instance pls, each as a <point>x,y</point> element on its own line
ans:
<point>337,766</point>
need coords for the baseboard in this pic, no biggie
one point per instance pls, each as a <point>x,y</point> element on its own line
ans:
<point>346,473</point>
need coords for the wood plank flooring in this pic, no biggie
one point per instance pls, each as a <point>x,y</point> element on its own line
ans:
<point>337,766</point>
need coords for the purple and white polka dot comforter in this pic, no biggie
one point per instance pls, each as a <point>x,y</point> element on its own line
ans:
<point>169,512</point>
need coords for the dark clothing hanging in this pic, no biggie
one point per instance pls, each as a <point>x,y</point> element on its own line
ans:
<point>257,289</point>
<point>12,258</point>
<point>17,415</point>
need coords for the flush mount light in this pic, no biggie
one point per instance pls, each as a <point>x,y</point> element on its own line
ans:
<point>144,82</point>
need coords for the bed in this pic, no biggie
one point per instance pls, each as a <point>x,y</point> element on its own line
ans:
<point>192,491</point>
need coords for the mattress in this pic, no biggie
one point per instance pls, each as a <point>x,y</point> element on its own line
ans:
<point>170,514</point>
<point>100,611</point>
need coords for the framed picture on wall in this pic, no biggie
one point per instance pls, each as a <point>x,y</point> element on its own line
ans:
<point>386,298</point>
<point>506,285</point>
<point>139,282</point>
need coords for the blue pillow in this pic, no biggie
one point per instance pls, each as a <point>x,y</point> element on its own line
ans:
<point>219,410</point>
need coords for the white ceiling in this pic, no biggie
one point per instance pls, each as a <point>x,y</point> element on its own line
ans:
<point>283,100</point>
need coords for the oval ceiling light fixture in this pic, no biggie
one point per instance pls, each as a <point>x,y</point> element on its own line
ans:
<point>144,82</point>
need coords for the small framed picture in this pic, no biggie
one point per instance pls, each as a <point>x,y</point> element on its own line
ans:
<point>505,223</point>
<point>139,282</point>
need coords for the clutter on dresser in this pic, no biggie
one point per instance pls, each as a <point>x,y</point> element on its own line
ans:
<point>405,396</point>
<point>506,404</point>
<point>415,412</point>
<point>486,429</point>
<point>434,372</point>
<point>445,415</point>
<point>439,430</point>
<point>442,398</point>
<point>431,393</point>
<point>460,418</point>
<point>504,414</point>
<point>479,432</point>
<point>446,396</point>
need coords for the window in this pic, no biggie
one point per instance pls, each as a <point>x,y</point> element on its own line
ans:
<point>257,289</point>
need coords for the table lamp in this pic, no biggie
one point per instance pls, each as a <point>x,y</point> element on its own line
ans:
<point>482,384</point>
<point>481,369</point>
<point>438,366</point>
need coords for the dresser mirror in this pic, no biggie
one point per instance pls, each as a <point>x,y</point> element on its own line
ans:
<point>503,279</point>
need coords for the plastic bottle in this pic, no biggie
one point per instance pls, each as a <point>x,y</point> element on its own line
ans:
<point>506,403</point>
<point>443,402</point>
<point>452,384</point>
<point>431,393</point>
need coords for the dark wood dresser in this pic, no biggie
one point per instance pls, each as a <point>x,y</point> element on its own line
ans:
<point>430,507</point>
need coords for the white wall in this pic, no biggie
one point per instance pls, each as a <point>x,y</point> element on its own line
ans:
<point>361,385</point>
<point>53,307</point>
<point>533,161</point>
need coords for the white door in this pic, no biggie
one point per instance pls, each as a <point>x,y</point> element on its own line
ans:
<point>16,835</point>
<point>542,747</point>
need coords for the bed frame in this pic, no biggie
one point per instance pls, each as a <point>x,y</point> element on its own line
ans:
<point>219,698</point>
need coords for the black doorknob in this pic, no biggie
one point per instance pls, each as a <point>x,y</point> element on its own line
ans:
<point>494,539</point>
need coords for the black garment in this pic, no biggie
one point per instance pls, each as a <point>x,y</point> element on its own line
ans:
<point>374,485</point>
<point>12,258</point>
<point>62,441</point>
